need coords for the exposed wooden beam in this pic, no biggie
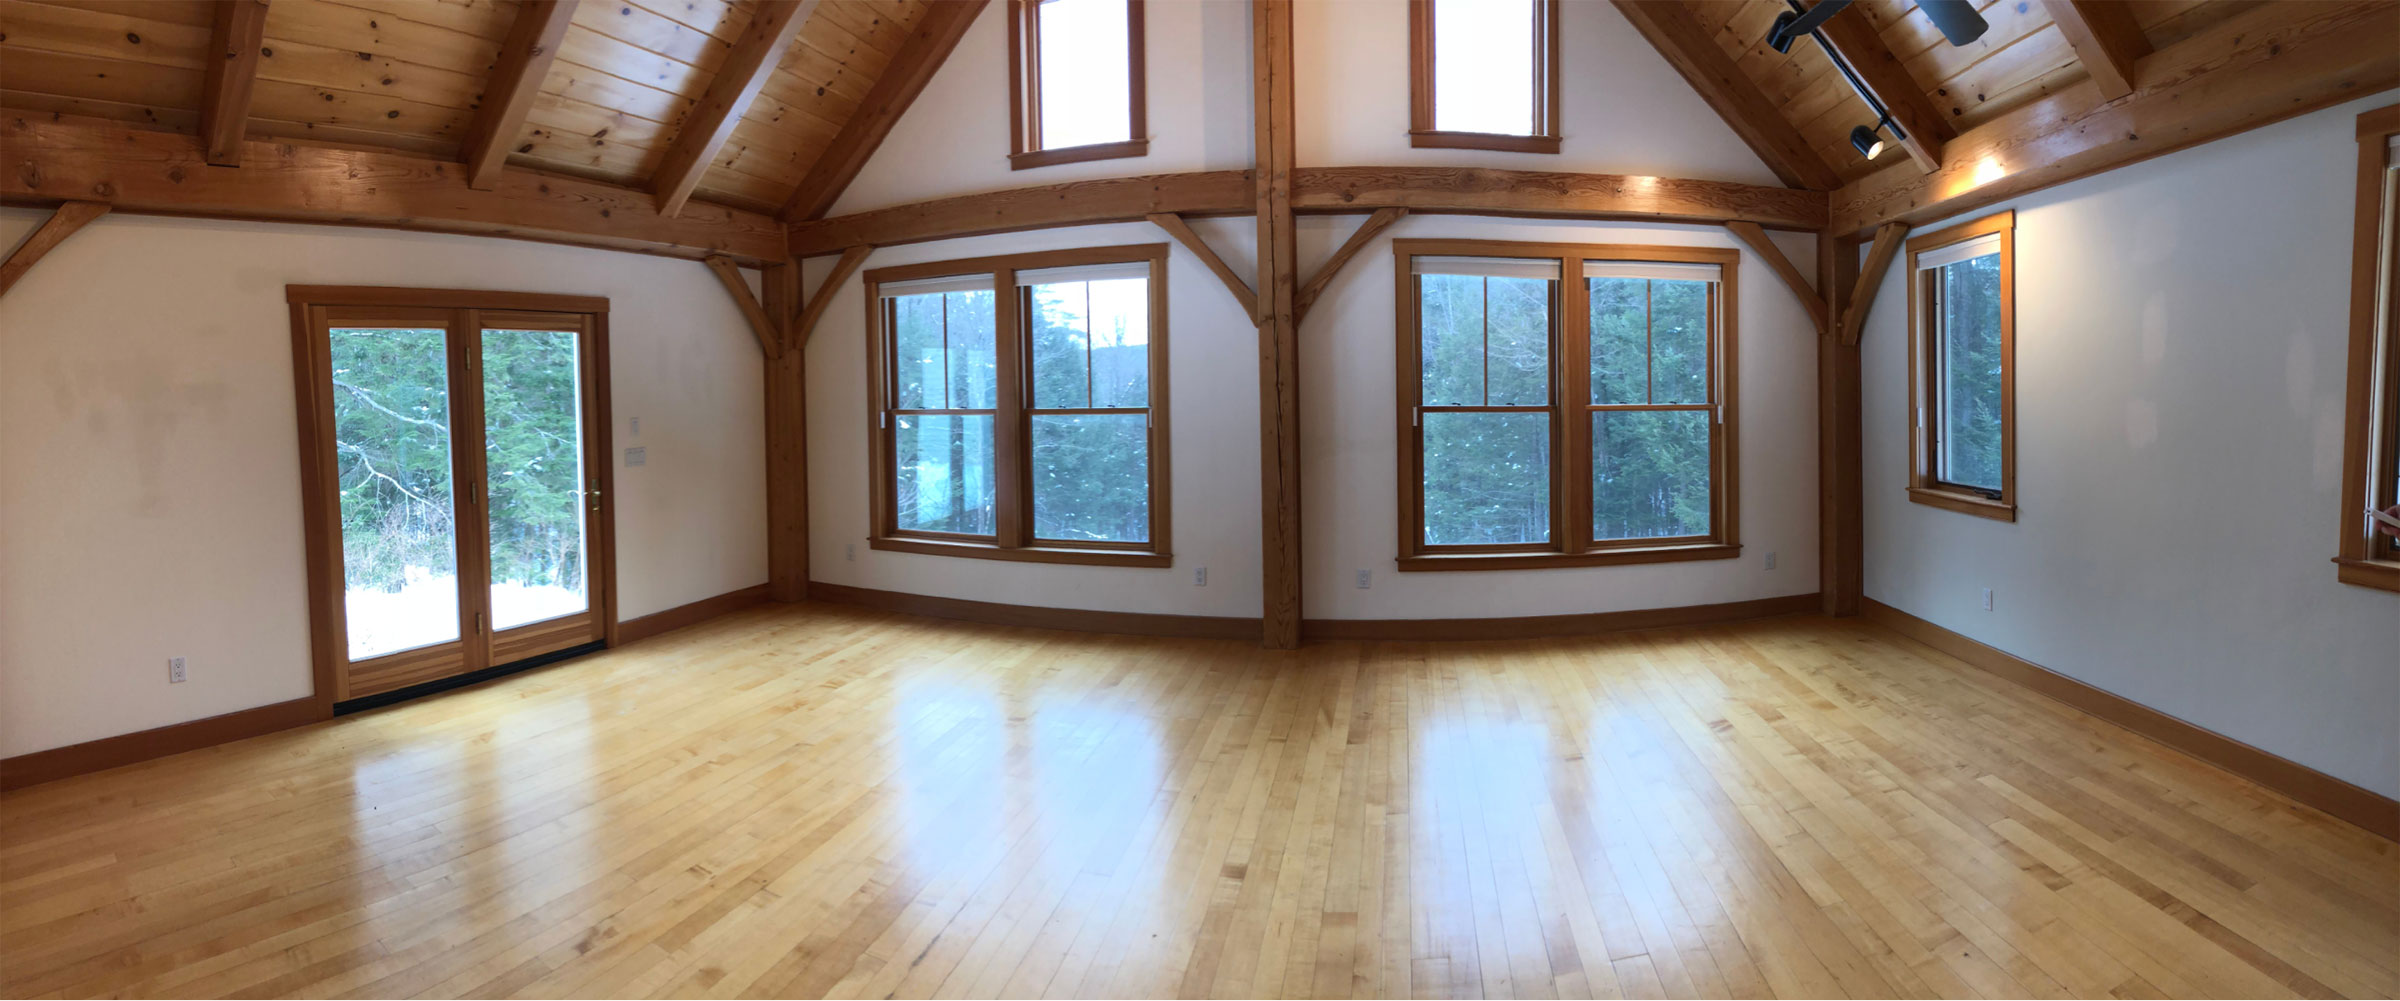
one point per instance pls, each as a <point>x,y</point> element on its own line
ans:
<point>1870,280</point>
<point>2258,67</point>
<point>2107,40</point>
<point>1278,321</point>
<point>928,46</point>
<point>45,159</point>
<point>815,310</point>
<point>1841,516</point>
<point>1078,203</point>
<point>1678,36</point>
<point>63,223</point>
<point>1377,223</point>
<point>769,332</point>
<point>1853,38</point>
<point>745,71</point>
<point>515,80</point>
<point>228,78</point>
<point>1756,238</point>
<point>1488,191</point>
<point>1182,232</point>
<point>787,439</point>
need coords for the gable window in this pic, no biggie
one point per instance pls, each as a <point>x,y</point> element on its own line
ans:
<point>1564,405</point>
<point>2370,554</point>
<point>1962,349</point>
<point>1075,81</point>
<point>1483,74</point>
<point>1020,407</point>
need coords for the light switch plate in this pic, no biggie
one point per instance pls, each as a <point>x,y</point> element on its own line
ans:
<point>637,456</point>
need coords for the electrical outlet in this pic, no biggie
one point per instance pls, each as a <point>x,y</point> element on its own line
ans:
<point>1199,576</point>
<point>1770,560</point>
<point>174,670</point>
<point>850,551</point>
<point>1364,581</point>
<point>636,428</point>
<point>1987,599</point>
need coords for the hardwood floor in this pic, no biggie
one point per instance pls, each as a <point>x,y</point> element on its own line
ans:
<point>820,800</point>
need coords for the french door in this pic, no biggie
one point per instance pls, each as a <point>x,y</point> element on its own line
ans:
<point>455,452</point>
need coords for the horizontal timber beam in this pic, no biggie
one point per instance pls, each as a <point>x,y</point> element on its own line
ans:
<point>1549,194</point>
<point>46,159</point>
<point>1077,203</point>
<point>2256,68</point>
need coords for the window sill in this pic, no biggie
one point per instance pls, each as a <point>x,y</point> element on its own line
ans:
<point>2379,574</point>
<point>1078,154</point>
<point>1543,561</point>
<point>1951,500</point>
<point>1502,142</point>
<point>1026,554</point>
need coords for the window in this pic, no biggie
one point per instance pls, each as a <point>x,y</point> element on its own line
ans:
<point>1962,348</point>
<point>1020,407</point>
<point>2370,556</point>
<point>1075,81</point>
<point>1564,405</point>
<point>1483,74</point>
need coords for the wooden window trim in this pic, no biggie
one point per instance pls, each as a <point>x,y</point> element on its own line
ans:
<point>1013,494</point>
<point>1421,48</point>
<point>1571,542</point>
<point>1924,486</point>
<point>315,309</point>
<point>2371,418</point>
<point>1025,93</point>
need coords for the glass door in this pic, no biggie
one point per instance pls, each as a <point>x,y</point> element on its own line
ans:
<point>541,480</point>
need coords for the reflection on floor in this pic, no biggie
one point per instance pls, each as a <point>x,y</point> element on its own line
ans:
<point>816,800</point>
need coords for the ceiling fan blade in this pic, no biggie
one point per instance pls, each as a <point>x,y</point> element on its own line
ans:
<point>1957,19</point>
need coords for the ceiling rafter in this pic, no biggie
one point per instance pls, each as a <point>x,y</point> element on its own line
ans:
<point>1855,41</point>
<point>2107,40</point>
<point>929,45</point>
<point>229,78</point>
<point>1686,45</point>
<point>516,79</point>
<point>737,83</point>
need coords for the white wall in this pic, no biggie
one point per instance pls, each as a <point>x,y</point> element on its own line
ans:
<point>2181,334</point>
<point>149,473</point>
<point>1212,373</point>
<point>1622,109</point>
<point>1349,448</point>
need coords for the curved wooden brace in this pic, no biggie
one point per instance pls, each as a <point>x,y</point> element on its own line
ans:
<point>1377,223</point>
<point>63,223</point>
<point>1183,234</point>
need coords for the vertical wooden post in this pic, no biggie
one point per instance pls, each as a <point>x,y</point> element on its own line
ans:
<point>1841,528</point>
<point>787,438</point>
<point>1278,324</point>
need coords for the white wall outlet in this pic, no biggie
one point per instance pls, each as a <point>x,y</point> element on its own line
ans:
<point>1199,576</point>
<point>1364,581</point>
<point>637,456</point>
<point>1770,559</point>
<point>174,670</point>
<point>1987,599</point>
<point>850,551</point>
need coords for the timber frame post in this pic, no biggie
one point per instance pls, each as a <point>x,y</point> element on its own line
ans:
<point>1841,525</point>
<point>1278,325</point>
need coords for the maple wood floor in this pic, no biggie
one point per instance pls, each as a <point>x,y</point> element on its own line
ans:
<point>818,800</point>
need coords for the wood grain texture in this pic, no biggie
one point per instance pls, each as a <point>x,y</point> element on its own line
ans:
<point>1368,228</point>
<point>773,25</point>
<point>1679,37</point>
<point>1076,203</point>
<point>1841,500</point>
<point>894,92</point>
<point>787,437</point>
<point>1183,234</point>
<point>45,159</point>
<point>2255,68</point>
<point>817,304</point>
<point>1756,239</point>
<point>762,326</point>
<point>1272,119</point>
<point>1924,128</point>
<point>509,90</point>
<point>229,77</point>
<point>1870,279</point>
<point>1491,191</point>
<point>823,800</point>
<point>63,222</point>
<point>2107,40</point>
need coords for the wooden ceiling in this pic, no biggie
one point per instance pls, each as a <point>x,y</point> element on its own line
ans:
<point>410,75</point>
<point>2023,57</point>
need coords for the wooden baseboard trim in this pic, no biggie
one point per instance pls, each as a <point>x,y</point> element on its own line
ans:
<point>699,611</point>
<point>127,748</point>
<point>2363,807</point>
<point>1534,626</point>
<point>1074,619</point>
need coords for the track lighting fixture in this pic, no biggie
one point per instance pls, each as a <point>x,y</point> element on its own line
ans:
<point>1865,140</point>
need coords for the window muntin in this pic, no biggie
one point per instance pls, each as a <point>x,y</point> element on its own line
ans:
<point>1484,75</point>
<point>1076,76</point>
<point>1020,403</point>
<point>1562,421</point>
<point>1961,345</point>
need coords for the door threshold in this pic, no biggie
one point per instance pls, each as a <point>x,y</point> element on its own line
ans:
<point>381,699</point>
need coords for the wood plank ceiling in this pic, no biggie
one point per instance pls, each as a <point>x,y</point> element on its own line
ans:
<point>2022,58</point>
<point>410,74</point>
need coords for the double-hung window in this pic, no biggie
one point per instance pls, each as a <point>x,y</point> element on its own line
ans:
<point>1019,406</point>
<point>2370,552</point>
<point>1483,74</point>
<point>1564,405</point>
<point>1075,81</point>
<point>1962,391</point>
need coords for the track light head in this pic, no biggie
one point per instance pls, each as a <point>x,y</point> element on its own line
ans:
<point>1864,139</point>
<point>1781,36</point>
